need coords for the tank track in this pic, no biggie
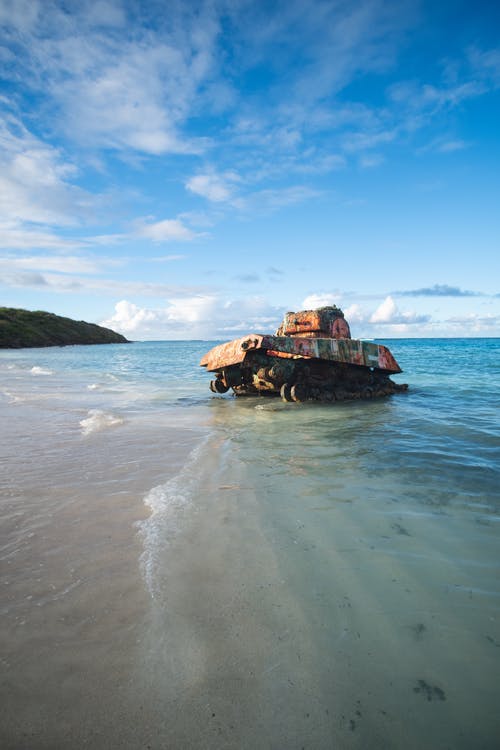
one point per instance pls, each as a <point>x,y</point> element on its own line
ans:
<point>305,380</point>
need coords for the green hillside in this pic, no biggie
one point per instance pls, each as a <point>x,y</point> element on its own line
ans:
<point>23,328</point>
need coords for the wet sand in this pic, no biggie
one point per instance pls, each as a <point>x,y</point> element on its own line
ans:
<point>74,602</point>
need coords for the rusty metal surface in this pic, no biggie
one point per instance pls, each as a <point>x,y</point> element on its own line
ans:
<point>231,353</point>
<point>324,322</point>
<point>349,351</point>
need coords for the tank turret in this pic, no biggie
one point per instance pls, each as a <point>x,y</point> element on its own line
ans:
<point>323,322</point>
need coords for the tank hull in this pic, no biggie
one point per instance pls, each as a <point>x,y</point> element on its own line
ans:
<point>302,368</point>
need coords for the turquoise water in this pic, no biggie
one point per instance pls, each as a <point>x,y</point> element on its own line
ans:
<point>244,572</point>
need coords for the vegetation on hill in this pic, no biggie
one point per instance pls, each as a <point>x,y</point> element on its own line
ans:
<point>23,328</point>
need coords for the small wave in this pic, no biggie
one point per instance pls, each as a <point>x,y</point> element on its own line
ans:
<point>13,399</point>
<point>93,387</point>
<point>166,502</point>
<point>41,371</point>
<point>271,406</point>
<point>98,420</point>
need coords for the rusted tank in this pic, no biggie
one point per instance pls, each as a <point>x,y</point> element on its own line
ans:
<point>311,357</point>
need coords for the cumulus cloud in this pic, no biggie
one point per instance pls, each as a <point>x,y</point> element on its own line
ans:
<point>388,313</point>
<point>200,316</point>
<point>211,315</point>
<point>385,312</point>
<point>386,317</point>
<point>128,318</point>
<point>355,314</point>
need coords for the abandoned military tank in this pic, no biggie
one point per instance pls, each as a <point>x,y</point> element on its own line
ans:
<point>311,357</point>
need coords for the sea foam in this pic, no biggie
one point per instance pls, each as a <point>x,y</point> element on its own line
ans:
<point>166,502</point>
<point>41,371</point>
<point>98,420</point>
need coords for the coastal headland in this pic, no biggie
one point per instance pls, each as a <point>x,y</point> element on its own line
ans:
<point>25,328</point>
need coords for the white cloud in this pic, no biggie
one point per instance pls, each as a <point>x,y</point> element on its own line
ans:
<point>62,283</point>
<point>34,183</point>
<point>385,312</point>
<point>388,313</point>
<point>123,104</point>
<point>209,315</point>
<point>114,89</point>
<point>16,236</point>
<point>167,258</point>
<point>319,300</point>
<point>203,316</point>
<point>189,317</point>
<point>214,187</point>
<point>368,323</point>
<point>474,323</point>
<point>354,314</point>
<point>137,91</point>
<point>168,230</point>
<point>190,310</point>
<point>226,188</point>
<point>59,264</point>
<point>128,318</point>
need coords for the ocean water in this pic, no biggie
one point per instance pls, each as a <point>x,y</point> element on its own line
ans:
<point>186,570</point>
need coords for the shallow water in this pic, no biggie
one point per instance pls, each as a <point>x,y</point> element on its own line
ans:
<point>186,570</point>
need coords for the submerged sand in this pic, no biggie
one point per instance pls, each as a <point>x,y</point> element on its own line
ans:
<point>284,624</point>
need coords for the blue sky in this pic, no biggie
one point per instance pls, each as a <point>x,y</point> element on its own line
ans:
<point>196,169</point>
